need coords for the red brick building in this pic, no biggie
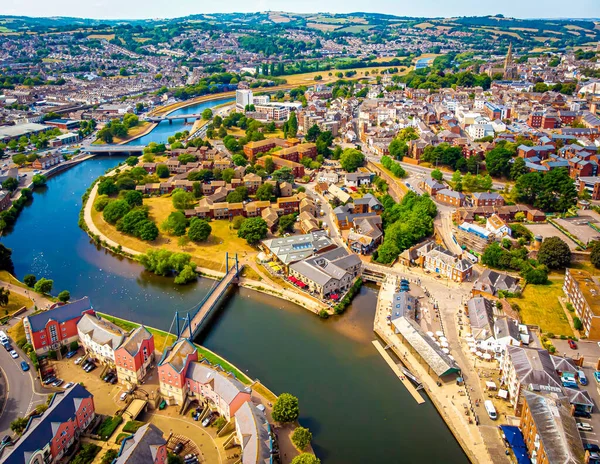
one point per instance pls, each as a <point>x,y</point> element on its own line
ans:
<point>134,356</point>
<point>48,436</point>
<point>57,327</point>
<point>487,199</point>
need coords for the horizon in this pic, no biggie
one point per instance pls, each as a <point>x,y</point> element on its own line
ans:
<point>153,10</point>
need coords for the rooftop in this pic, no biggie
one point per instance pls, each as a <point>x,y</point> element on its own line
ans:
<point>59,314</point>
<point>589,287</point>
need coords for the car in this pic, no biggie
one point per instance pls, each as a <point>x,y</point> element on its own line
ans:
<point>78,360</point>
<point>68,385</point>
<point>49,380</point>
<point>90,367</point>
<point>70,354</point>
<point>6,440</point>
<point>123,396</point>
<point>585,414</point>
<point>585,427</point>
<point>113,380</point>
<point>572,344</point>
<point>592,447</point>
<point>178,448</point>
<point>597,376</point>
<point>8,348</point>
<point>57,382</point>
<point>14,354</point>
<point>24,366</point>
<point>107,377</point>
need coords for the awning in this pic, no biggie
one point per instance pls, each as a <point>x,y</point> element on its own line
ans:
<point>335,296</point>
<point>514,438</point>
<point>490,385</point>
<point>503,393</point>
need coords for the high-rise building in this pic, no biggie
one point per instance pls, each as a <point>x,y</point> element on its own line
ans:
<point>243,98</point>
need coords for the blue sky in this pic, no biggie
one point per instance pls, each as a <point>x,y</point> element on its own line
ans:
<point>175,8</point>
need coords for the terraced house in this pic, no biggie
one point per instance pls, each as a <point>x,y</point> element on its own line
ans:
<point>146,446</point>
<point>48,436</point>
<point>135,356</point>
<point>100,338</point>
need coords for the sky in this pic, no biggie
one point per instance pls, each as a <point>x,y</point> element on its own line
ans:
<point>136,9</point>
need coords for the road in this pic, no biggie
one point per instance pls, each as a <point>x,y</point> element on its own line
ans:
<point>21,389</point>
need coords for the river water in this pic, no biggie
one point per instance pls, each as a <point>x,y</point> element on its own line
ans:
<point>358,411</point>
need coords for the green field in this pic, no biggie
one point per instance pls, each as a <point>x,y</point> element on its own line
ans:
<point>4,29</point>
<point>539,306</point>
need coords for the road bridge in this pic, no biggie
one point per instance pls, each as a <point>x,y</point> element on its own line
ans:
<point>194,323</point>
<point>111,149</point>
<point>176,117</point>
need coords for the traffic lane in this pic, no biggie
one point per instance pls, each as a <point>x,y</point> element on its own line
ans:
<point>21,395</point>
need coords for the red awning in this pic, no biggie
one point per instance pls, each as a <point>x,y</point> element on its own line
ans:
<point>335,296</point>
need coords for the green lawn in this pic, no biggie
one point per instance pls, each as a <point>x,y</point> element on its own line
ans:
<point>539,306</point>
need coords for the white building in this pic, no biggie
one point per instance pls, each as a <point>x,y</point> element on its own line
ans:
<point>243,98</point>
<point>100,338</point>
<point>478,131</point>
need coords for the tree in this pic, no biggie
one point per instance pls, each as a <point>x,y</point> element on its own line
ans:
<point>43,285</point>
<point>207,114</point>
<point>30,280</point>
<point>197,190</point>
<point>6,263</point>
<point>497,161</point>
<point>595,255</point>
<point>124,182</point>
<point>182,199</point>
<point>269,165</point>
<point>290,127</point>
<point>239,160</point>
<point>11,184</point>
<point>352,159</point>
<point>237,222</point>
<point>437,175</point>
<point>4,294</point>
<point>577,323</point>
<point>183,241</point>
<point>162,171</point>
<point>133,198</point>
<point>107,186</point>
<point>313,133</point>
<point>199,230</point>
<point>518,168</point>
<point>301,438</point>
<point>39,180</point>
<point>554,253</point>
<point>19,160</point>
<point>227,174</point>
<point>115,210</point>
<point>283,174</point>
<point>148,231</point>
<point>132,221</point>
<point>398,148</point>
<point>186,275</point>
<point>19,424</point>
<point>253,230</point>
<point>64,296</point>
<point>286,223</point>
<point>132,161</point>
<point>175,224</point>
<point>306,458</point>
<point>265,192</point>
<point>286,408</point>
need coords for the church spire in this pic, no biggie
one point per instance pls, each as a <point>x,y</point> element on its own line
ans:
<point>509,58</point>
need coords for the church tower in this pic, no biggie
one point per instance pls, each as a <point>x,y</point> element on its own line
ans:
<point>508,61</point>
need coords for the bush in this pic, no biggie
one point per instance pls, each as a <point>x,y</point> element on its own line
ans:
<point>74,346</point>
<point>570,307</point>
<point>199,230</point>
<point>342,305</point>
<point>301,438</point>
<point>286,408</point>
<point>324,314</point>
<point>132,426</point>
<point>238,220</point>
<point>115,210</point>
<point>86,454</point>
<point>101,203</point>
<point>108,427</point>
<point>219,423</point>
<point>30,280</point>
<point>577,323</point>
<point>64,296</point>
<point>109,456</point>
<point>554,253</point>
<point>306,458</point>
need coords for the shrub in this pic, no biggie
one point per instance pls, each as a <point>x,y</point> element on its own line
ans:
<point>132,426</point>
<point>30,280</point>
<point>570,307</point>
<point>306,458</point>
<point>219,423</point>
<point>86,454</point>
<point>101,202</point>
<point>577,323</point>
<point>324,314</point>
<point>108,426</point>
<point>109,456</point>
<point>115,210</point>
<point>301,438</point>
<point>238,220</point>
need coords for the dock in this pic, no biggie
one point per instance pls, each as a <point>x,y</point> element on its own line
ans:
<point>399,372</point>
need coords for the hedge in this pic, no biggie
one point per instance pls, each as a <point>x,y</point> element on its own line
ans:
<point>108,427</point>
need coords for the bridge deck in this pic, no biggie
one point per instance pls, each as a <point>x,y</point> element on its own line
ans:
<point>210,302</point>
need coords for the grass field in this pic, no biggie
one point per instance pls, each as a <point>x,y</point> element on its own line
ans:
<point>5,29</point>
<point>6,276</point>
<point>15,302</point>
<point>323,27</point>
<point>16,332</point>
<point>210,254</point>
<point>424,25</point>
<point>136,131</point>
<point>539,306</point>
<point>101,36</point>
<point>355,29</point>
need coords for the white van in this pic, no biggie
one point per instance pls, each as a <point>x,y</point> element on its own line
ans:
<point>3,337</point>
<point>490,409</point>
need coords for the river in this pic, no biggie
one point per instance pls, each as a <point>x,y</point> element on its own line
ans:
<point>358,411</point>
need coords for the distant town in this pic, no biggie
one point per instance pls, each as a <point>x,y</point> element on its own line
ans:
<point>451,164</point>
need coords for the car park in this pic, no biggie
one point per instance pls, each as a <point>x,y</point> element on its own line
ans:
<point>24,366</point>
<point>14,354</point>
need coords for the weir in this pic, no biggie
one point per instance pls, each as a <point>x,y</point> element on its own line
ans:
<point>195,321</point>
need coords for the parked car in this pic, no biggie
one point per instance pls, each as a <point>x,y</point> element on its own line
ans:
<point>68,385</point>
<point>78,360</point>
<point>57,382</point>
<point>113,380</point>
<point>90,367</point>
<point>123,396</point>
<point>582,378</point>
<point>584,426</point>
<point>597,376</point>
<point>209,419</point>
<point>178,448</point>
<point>108,377</point>
<point>24,366</point>
<point>49,380</point>
<point>585,414</point>
<point>592,447</point>
<point>8,348</point>
<point>6,440</point>
<point>572,344</point>
<point>70,354</point>
<point>14,354</point>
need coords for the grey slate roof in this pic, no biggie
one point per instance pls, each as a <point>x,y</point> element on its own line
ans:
<point>254,428</point>
<point>134,341</point>
<point>142,447</point>
<point>556,428</point>
<point>101,331</point>
<point>481,317</point>
<point>491,282</point>
<point>533,366</point>
<point>60,314</point>
<point>298,247</point>
<point>225,386</point>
